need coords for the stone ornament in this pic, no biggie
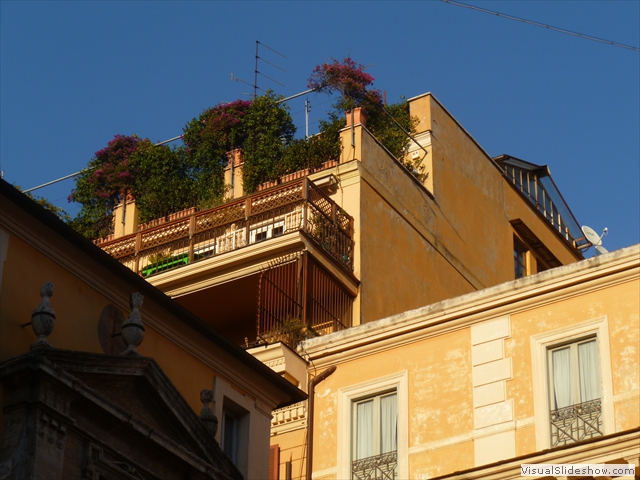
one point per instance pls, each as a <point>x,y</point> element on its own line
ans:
<point>133,329</point>
<point>43,318</point>
<point>206,414</point>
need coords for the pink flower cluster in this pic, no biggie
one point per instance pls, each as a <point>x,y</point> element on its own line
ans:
<point>113,173</point>
<point>346,77</point>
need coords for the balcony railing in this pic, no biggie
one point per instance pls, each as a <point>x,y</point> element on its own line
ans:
<point>576,423</point>
<point>267,214</point>
<point>529,185</point>
<point>378,467</point>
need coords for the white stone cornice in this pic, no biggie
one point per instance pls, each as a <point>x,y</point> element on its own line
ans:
<point>551,286</point>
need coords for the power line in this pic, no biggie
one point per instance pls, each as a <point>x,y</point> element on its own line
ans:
<point>157,144</point>
<point>86,170</point>
<point>548,27</point>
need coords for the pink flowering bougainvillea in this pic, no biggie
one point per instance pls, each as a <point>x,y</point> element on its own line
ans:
<point>101,186</point>
<point>349,79</point>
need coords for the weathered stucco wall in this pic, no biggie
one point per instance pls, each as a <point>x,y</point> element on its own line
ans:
<point>82,289</point>
<point>473,385</point>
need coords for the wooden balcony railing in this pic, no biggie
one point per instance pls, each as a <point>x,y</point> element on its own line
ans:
<point>283,209</point>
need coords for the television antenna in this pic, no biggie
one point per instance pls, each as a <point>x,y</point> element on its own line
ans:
<point>595,239</point>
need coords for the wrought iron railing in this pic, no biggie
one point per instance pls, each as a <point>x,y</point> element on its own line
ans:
<point>378,467</point>
<point>576,423</point>
<point>290,207</point>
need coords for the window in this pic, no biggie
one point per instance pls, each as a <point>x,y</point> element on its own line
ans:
<point>231,240</point>
<point>378,405</point>
<point>258,234</point>
<point>574,392</point>
<point>234,434</point>
<point>572,383</point>
<point>230,423</point>
<point>520,255</point>
<point>375,437</point>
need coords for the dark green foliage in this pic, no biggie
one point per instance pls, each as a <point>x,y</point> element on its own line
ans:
<point>163,181</point>
<point>269,131</point>
<point>388,133</point>
<point>47,205</point>
<point>208,138</point>
<point>356,90</point>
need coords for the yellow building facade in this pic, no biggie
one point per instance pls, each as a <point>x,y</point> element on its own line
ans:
<point>382,239</point>
<point>353,251</point>
<point>91,302</point>
<point>474,382</point>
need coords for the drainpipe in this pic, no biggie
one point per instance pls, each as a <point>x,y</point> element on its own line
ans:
<point>312,390</point>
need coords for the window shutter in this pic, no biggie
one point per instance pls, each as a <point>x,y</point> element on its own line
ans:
<point>274,462</point>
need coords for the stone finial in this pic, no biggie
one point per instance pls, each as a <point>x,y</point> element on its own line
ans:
<point>132,328</point>
<point>206,414</point>
<point>43,318</point>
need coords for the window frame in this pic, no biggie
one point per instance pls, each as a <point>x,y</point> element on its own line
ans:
<point>521,258</point>
<point>348,396</point>
<point>377,422</point>
<point>230,450</point>
<point>541,344</point>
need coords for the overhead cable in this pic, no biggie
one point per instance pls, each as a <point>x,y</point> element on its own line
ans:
<point>538,24</point>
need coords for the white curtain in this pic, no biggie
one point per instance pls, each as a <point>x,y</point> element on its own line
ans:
<point>561,360</point>
<point>389,423</point>
<point>589,378</point>
<point>364,430</point>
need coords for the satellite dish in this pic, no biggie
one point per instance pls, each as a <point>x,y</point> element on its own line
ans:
<point>595,239</point>
<point>601,250</point>
<point>591,235</point>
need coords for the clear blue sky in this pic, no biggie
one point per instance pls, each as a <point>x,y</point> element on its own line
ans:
<point>75,73</point>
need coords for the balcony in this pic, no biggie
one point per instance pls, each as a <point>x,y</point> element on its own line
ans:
<point>295,206</point>
<point>378,467</point>
<point>576,423</point>
<point>534,182</point>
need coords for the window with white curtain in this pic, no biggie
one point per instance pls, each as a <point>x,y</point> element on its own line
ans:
<point>375,436</point>
<point>574,391</point>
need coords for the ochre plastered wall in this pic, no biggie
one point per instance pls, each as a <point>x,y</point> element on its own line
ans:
<point>78,307</point>
<point>292,446</point>
<point>477,201</point>
<point>414,247</point>
<point>440,401</point>
<point>619,304</point>
<point>447,432</point>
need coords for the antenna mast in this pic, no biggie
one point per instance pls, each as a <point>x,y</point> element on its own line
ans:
<point>258,72</point>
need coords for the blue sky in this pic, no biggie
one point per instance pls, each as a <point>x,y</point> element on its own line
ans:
<point>73,74</point>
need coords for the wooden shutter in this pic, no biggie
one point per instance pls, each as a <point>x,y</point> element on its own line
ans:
<point>274,462</point>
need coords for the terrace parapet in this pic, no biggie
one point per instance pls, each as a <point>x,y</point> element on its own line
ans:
<point>193,236</point>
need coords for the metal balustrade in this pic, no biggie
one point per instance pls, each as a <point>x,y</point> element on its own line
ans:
<point>378,467</point>
<point>295,206</point>
<point>576,423</point>
<point>530,185</point>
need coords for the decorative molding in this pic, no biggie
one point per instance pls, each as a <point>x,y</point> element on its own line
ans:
<point>627,396</point>
<point>289,418</point>
<point>513,297</point>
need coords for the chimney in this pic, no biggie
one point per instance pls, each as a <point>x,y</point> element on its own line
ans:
<point>358,117</point>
